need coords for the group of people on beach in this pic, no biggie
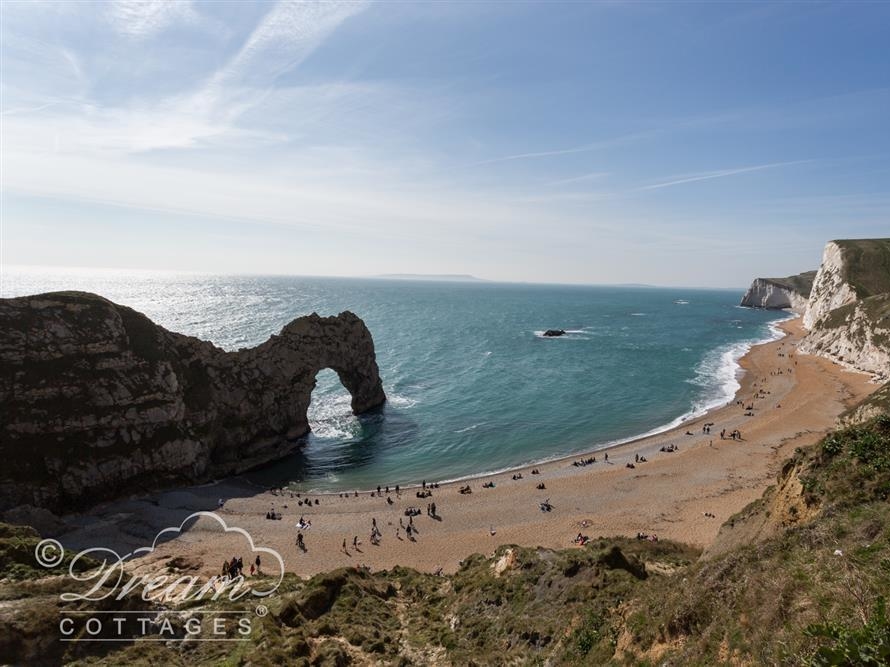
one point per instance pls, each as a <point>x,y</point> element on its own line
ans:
<point>411,531</point>
<point>235,567</point>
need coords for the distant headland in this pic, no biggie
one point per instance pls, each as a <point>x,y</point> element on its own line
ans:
<point>439,277</point>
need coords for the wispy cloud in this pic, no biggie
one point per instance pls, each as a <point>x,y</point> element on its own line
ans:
<point>592,176</point>
<point>585,148</point>
<point>286,36</point>
<point>141,18</point>
<point>705,176</point>
<point>210,112</point>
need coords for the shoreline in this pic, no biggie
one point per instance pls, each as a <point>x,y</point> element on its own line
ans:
<point>670,495</point>
<point>588,450</point>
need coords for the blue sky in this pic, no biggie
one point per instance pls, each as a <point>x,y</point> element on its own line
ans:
<point>666,143</point>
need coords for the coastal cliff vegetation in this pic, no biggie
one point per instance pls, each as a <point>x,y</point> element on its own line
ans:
<point>811,593</point>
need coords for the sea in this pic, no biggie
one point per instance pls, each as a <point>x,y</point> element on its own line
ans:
<point>473,385</point>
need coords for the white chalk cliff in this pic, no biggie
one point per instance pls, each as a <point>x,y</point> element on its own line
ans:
<point>830,289</point>
<point>856,335</point>
<point>769,293</point>
<point>848,311</point>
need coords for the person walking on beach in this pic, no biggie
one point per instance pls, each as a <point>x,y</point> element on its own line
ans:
<point>257,563</point>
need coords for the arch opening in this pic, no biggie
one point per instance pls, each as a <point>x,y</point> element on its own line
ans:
<point>330,414</point>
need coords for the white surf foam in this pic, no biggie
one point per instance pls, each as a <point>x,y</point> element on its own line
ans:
<point>471,427</point>
<point>723,369</point>
<point>400,401</point>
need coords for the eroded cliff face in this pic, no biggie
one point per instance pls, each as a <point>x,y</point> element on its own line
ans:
<point>98,401</point>
<point>848,312</point>
<point>856,335</point>
<point>830,288</point>
<point>767,293</point>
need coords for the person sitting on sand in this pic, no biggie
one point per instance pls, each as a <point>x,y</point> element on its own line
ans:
<point>541,486</point>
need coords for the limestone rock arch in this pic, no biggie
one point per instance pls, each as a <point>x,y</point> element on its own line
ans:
<point>97,401</point>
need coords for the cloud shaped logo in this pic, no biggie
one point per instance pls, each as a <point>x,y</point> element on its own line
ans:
<point>108,576</point>
<point>173,531</point>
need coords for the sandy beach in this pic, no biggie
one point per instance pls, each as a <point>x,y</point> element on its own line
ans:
<point>683,495</point>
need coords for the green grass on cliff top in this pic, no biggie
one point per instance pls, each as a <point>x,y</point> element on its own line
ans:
<point>802,283</point>
<point>867,265</point>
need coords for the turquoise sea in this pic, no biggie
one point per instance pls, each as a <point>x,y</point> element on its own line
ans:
<point>472,385</point>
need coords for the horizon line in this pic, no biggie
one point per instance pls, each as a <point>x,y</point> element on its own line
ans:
<point>381,277</point>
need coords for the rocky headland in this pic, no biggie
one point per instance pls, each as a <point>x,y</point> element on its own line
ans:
<point>845,305</point>
<point>99,402</point>
<point>848,312</point>
<point>780,293</point>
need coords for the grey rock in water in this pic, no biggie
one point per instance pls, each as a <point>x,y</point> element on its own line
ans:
<point>97,401</point>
